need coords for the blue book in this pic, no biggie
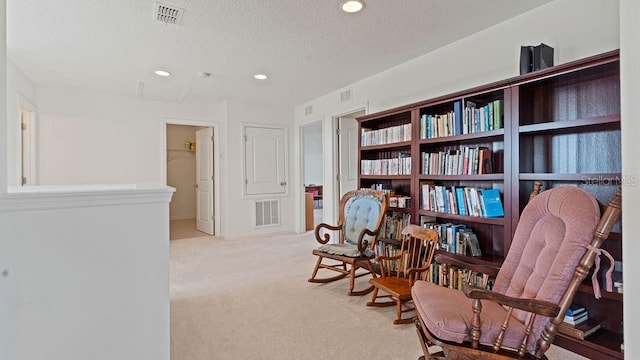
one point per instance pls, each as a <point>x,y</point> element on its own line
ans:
<point>492,203</point>
<point>462,204</point>
<point>574,310</point>
<point>457,117</point>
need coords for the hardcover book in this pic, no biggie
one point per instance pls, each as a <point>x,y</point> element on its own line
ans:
<point>492,203</point>
<point>580,331</point>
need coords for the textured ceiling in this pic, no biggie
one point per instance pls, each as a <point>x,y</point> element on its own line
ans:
<point>308,47</point>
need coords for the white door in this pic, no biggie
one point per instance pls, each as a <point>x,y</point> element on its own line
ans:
<point>348,155</point>
<point>265,160</point>
<point>204,181</point>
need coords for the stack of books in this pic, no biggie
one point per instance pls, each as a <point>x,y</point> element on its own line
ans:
<point>577,323</point>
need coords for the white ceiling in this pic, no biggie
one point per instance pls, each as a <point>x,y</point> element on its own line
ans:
<point>308,47</point>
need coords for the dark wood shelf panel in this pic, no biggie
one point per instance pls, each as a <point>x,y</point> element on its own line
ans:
<point>390,146</point>
<point>475,219</point>
<point>399,209</point>
<point>588,289</point>
<point>601,345</point>
<point>571,125</point>
<point>479,177</point>
<point>386,177</point>
<point>389,241</point>
<point>485,259</point>
<point>584,177</point>
<point>484,135</point>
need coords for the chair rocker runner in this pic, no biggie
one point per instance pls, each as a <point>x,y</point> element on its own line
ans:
<point>361,214</point>
<point>398,272</point>
<point>555,244</point>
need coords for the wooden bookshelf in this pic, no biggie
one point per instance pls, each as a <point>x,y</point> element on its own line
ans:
<point>559,125</point>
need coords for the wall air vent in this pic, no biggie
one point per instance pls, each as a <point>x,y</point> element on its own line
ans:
<point>308,110</point>
<point>167,14</point>
<point>345,95</point>
<point>267,212</point>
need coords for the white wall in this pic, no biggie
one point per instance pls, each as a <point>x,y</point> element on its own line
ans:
<point>181,171</point>
<point>87,274</point>
<point>313,154</point>
<point>240,220</point>
<point>3,101</point>
<point>630,87</point>
<point>87,137</point>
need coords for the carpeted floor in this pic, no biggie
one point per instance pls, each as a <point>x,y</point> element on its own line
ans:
<point>250,299</point>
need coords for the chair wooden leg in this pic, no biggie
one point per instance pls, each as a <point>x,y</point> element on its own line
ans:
<point>355,267</point>
<point>329,279</point>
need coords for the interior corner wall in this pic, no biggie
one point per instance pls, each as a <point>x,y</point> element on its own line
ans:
<point>87,137</point>
<point>630,89</point>
<point>238,220</point>
<point>18,85</point>
<point>3,97</point>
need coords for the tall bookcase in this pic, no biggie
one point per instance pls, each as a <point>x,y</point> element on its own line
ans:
<point>560,125</point>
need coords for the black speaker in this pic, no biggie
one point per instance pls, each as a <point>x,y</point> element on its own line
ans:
<point>534,58</point>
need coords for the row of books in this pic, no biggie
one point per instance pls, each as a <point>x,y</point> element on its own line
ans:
<point>456,238</point>
<point>397,164</point>
<point>463,120</point>
<point>390,135</point>
<point>400,201</point>
<point>383,249</point>
<point>456,277</point>
<point>577,323</point>
<point>393,223</point>
<point>465,201</point>
<point>464,161</point>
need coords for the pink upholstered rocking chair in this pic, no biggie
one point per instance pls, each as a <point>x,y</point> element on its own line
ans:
<point>557,239</point>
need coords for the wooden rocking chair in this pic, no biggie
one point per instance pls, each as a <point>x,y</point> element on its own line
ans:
<point>553,249</point>
<point>398,272</point>
<point>361,214</point>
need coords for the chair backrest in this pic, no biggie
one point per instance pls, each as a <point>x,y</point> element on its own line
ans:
<point>416,252</point>
<point>360,209</point>
<point>553,233</point>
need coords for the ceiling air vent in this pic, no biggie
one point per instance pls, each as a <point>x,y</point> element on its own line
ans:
<point>308,110</point>
<point>167,14</point>
<point>345,95</point>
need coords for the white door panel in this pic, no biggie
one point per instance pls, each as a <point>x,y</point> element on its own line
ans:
<point>265,161</point>
<point>204,181</point>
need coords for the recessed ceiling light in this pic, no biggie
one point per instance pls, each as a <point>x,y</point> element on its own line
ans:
<point>352,6</point>
<point>162,73</point>
<point>260,76</point>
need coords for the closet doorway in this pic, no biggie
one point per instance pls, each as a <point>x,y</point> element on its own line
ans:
<point>190,170</point>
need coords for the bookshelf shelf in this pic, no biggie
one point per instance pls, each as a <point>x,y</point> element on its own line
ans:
<point>485,135</point>
<point>479,177</point>
<point>559,125</point>
<point>582,177</point>
<point>571,125</point>
<point>474,219</point>
<point>390,146</point>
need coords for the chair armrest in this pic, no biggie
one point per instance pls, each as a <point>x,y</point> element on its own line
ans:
<point>538,307</point>
<point>362,242</point>
<point>412,271</point>
<point>486,269</point>
<point>326,237</point>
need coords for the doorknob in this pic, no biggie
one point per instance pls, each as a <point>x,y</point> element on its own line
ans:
<point>283,183</point>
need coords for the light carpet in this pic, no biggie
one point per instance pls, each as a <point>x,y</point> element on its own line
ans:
<point>250,299</point>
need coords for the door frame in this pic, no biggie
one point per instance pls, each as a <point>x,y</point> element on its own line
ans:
<point>335,167</point>
<point>26,105</point>
<point>217,231</point>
